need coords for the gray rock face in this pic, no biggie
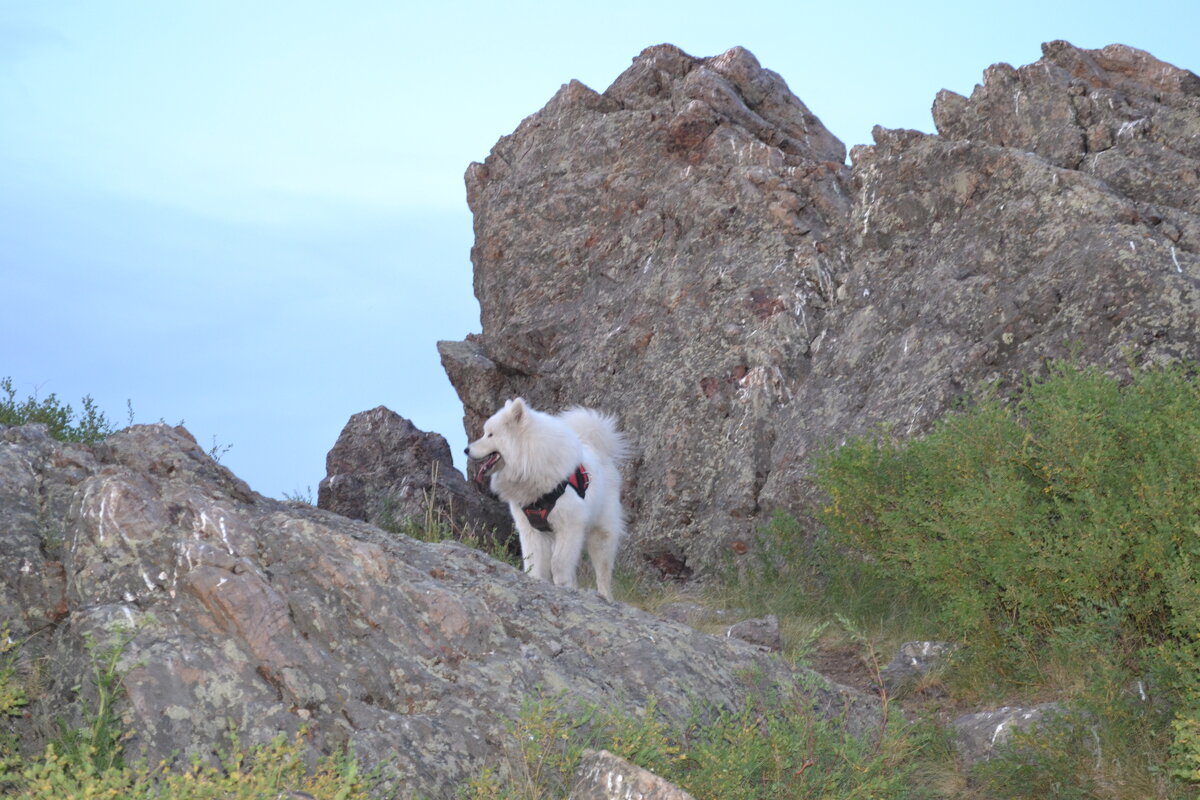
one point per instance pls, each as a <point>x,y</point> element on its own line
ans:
<point>235,609</point>
<point>688,251</point>
<point>386,471</point>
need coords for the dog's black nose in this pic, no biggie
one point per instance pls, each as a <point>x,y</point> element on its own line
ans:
<point>467,450</point>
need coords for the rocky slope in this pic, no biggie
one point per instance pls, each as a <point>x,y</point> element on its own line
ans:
<point>689,250</point>
<point>233,609</point>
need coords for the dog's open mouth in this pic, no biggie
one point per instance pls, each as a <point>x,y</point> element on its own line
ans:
<point>488,465</point>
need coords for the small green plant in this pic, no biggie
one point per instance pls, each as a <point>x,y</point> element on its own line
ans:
<point>304,496</point>
<point>548,740</point>
<point>88,426</point>
<point>12,693</point>
<point>1186,748</point>
<point>218,450</point>
<point>98,744</point>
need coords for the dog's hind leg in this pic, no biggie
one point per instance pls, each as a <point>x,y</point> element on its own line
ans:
<point>602,550</point>
<point>568,547</point>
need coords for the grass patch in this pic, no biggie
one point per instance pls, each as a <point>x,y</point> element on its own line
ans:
<point>437,522</point>
<point>773,747</point>
<point>820,592</point>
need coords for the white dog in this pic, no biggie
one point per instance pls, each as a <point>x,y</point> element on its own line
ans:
<point>560,478</point>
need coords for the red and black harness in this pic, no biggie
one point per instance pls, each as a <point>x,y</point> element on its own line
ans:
<point>538,511</point>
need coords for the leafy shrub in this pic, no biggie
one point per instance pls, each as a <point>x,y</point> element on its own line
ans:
<point>1067,520</point>
<point>89,426</point>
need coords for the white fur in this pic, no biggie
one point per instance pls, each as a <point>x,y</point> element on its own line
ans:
<point>538,451</point>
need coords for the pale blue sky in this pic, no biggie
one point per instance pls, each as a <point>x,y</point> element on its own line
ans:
<point>250,215</point>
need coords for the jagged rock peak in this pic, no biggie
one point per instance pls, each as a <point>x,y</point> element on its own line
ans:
<point>1074,102</point>
<point>1119,66</point>
<point>731,87</point>
<point>697,95</point>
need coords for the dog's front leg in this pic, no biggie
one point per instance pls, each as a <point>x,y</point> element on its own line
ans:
<point>536,551</point>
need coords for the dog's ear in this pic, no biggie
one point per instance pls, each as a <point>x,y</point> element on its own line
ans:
<point>517,413</point>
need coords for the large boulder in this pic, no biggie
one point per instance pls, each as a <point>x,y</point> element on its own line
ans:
<point>386,471</point>
<point>688,251</point>
<point>230,609</point>
<point>662,251</point>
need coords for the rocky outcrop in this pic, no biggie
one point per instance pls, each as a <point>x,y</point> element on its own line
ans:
<point>604,776</point>
<point>986,734</point>
<point>386,471</point>
<point>230,609</point>
<point>688,250</point>
<point>915,663</point>
<point>763,632</point>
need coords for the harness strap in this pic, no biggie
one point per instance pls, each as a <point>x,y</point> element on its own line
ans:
<point>538,512</point>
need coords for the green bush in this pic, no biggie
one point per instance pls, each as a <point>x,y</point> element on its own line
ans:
<point>1065,520</point>
<point>89,426</point>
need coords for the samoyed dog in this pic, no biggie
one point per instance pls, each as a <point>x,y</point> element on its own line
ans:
<point>559,475</point>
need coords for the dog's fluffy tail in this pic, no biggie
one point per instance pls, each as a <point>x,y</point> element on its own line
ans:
<point>599,432</point>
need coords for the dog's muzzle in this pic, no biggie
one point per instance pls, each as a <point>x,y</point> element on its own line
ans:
<point>487,467</point>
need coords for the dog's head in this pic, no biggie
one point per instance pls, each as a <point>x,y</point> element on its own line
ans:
<point>497,437</point>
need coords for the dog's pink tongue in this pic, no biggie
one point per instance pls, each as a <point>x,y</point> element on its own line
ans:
<point>479,475</point>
